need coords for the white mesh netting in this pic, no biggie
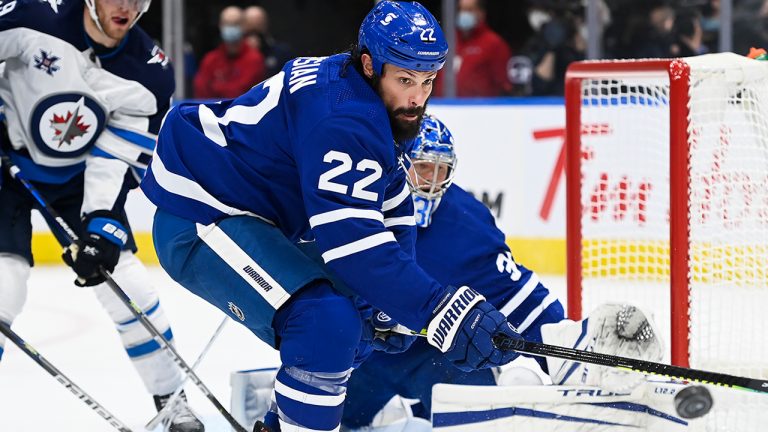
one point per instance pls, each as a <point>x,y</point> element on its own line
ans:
<point>625,196</point>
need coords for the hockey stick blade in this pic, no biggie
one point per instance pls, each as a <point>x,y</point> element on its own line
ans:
<point>645,367</point>
<point>60,377</point>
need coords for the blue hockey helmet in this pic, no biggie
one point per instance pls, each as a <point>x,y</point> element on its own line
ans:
<point>404,34</point>
<point>433,159</point>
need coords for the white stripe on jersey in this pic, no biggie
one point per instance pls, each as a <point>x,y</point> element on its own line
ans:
<point>358,246</point>
<point>521,295</point>
<point>345,213</point>
<point>185,187</point>
<point>396,201</point>
<point>536,312</point>
<point>402,220</point>
<point>309,398</point>
<point>243,264</point>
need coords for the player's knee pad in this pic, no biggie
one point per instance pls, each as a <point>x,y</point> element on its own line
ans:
<point>158,371</point>
<point>319,330</point>
<point>133,278</point>
<point>14,273</point>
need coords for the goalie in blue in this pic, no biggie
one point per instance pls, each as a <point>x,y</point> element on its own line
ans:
<point>457,241</point>
<point>288,208</point>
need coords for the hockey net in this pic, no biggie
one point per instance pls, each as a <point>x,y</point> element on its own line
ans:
<point>667,180</point>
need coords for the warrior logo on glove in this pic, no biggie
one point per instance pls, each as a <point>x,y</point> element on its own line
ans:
<point>452,312</point>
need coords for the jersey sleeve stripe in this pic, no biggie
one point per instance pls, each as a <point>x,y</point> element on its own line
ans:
<point>358,246</point>
<point>397,200</point>
<point>402,220</point>
<point>521,295</point>
<point>345,213</point>
<point>186,188</point>
<point>536,312</point>
<point>308,398</point>
<point>251,272</point>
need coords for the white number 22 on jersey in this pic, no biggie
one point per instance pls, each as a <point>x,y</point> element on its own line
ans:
<point>358,189</point>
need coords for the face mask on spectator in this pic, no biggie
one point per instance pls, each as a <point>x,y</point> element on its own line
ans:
<point>231,33</point>
<point>466,21</point>
<point>537,18</point>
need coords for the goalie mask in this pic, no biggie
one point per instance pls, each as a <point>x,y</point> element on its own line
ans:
<point>141,6</point>
<point>432,163</point>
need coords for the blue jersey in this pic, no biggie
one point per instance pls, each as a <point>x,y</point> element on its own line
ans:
<point>311,151</point>
<point>463,246</point>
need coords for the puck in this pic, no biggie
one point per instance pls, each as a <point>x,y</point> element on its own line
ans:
<point>693,402</point>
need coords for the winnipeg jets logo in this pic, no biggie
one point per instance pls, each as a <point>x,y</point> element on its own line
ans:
<point>158,56</point>
<point>66,125</point>
<point>69,126</point>
<point>46,62</point>
<point>90,250</point>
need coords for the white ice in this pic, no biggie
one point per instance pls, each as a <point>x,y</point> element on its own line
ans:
<point>69,328</point>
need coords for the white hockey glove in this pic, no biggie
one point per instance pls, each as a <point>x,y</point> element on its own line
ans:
<point>616,329</point>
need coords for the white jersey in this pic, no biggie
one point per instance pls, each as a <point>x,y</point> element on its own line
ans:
<point>58,101</point>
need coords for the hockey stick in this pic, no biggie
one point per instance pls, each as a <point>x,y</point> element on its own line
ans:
<point>60,377</point>
<point>160,416</point>
<point>130,304</point>
<point>642,366</point>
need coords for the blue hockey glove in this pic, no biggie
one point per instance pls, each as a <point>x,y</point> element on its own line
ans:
<point>385,338</point>
<point>104,238</point>
<point>463,326</point>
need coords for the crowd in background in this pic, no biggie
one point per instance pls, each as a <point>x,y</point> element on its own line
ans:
<point>492,59</point>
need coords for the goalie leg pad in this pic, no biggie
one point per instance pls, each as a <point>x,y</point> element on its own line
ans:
<point>14,273</point>
<point>252,392</point>
<point>158,371</point>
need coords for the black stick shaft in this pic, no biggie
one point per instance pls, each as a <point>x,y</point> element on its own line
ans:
<point>61,378</point>
<point>642,366</point>
<point>133,307</point>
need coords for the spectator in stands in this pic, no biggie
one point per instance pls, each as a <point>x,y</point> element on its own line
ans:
<point>481,55</point>
<point>688,35</point>
<point>256,31</point>
<point>559,41</point>
<point>234,66</point>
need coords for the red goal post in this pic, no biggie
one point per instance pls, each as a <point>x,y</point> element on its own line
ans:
<point>667,200</point>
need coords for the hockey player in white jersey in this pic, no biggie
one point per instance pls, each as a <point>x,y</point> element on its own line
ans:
<point>84,92</point>
<point>458,240</point>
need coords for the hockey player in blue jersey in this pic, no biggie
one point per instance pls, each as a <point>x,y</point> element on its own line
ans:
<point>288,209</point>
<point>85,90</point>
<point>457,240</point>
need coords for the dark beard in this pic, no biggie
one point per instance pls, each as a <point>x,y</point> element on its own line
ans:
<point>402,130</point>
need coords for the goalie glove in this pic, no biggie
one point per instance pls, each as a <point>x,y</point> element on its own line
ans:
<point>463,326</point>
<point>105,238</point>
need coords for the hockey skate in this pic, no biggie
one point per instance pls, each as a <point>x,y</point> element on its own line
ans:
<point>180,418</point>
